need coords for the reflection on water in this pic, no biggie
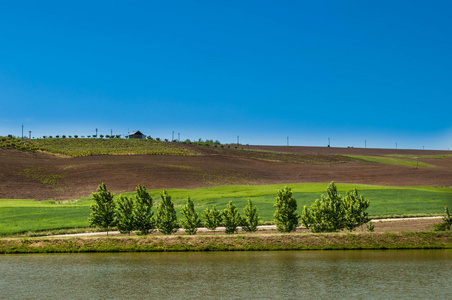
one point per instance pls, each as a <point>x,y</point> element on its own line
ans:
<point>237,275</point>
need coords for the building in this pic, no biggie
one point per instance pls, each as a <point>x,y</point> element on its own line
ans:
<point>136,135</point>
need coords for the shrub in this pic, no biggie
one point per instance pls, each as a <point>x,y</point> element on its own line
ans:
<point>166,215</point>
<point>286,217</point>
<point>191,220</point>
<point>212,218</point>
<point>231,218</point>
<point>103,210</point>
<point>447,222</point>
<point>251,219</point>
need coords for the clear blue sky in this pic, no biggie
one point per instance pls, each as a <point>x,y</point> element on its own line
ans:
<point>351,71</point>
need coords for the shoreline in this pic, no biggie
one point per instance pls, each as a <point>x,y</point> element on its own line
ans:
<point>235,242</point>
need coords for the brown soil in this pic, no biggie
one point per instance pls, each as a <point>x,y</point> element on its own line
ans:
<point>27,175</point>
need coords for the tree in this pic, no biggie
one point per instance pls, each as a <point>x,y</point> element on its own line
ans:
<point>231,218</point>
<point>447,222</point>
<point>212,218</point>
<point>166,215</point>
<point>103,210</point>
<point>355,210</point>
<point>124,214</point>
<point>191,220</point>
<point>326,214</point>
<point>143,215</point>
<point>334,212</point>
<point>251,219</point>
<point>286,217</point>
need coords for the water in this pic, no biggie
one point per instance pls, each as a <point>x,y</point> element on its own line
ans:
<point>402,274</point>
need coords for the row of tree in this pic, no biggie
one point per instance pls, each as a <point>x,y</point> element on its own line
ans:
<point>332,212</point>
<point>136,214</point>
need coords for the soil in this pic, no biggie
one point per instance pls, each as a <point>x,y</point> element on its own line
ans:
<point>28,175</point>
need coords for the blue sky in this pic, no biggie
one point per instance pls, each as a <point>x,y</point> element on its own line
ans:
<point>351,71</point>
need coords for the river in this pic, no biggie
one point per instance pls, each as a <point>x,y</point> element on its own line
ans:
<point>401,274</point>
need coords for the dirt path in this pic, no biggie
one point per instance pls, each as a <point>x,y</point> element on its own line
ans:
<point>381,225</point>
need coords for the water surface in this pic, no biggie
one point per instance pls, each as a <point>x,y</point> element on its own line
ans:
<point>402,274</point>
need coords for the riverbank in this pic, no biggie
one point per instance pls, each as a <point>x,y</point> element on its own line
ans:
<point>238,242</point>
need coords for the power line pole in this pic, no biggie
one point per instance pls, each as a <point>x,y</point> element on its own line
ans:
<point>22,131</point>
<point>29,135</point>
<point>329,145</point>
<point>172,139</point>
<point>178,136</point>
<point>237,141</point>
<point>96,132</point>
<point>287,141</point>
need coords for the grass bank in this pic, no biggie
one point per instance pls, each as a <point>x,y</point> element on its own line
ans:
<point>239,242</point>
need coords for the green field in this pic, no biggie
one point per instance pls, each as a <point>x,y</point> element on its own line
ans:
<point>18,216</point>
<point>409,161</point>
<point>75,147</point>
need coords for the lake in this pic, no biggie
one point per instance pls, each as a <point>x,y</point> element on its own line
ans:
<point>402,274</point>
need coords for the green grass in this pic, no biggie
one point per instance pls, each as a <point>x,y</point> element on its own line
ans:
<point>413,156</point>
<point>391,161</point>
<point>18,216</point>
<point>86,147</point>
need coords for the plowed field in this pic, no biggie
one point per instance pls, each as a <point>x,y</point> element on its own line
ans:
<point>28,175</point>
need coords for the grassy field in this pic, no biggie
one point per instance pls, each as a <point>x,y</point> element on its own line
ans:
<point>403,160</point>
<point>18,216</point>
<point>75,147</point>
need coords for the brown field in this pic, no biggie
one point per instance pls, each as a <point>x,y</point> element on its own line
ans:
<point>27,175</point>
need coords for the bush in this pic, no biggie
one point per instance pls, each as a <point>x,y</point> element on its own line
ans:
<point>251,219</point>
<point>447,222</point>
<point>286,217</point>
<point>231,218</point>
<point>212,218</point>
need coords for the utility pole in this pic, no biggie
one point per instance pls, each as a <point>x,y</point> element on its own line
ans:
<point>111,132</point>
<point>329,145</point>
<point>237,141</point>
<point>287,141</point>
<point>96,132</point>
<point>172,139</point>
<point>29,135</point>
<point>178,136</point>
<point>22,131</point>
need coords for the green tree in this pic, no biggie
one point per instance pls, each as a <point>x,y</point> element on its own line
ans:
<point>251,219</point>
<point>447,222</point>
<point>103,210</point>
<point>166,215</point>
<point>212,218</point>
<point>191,220</point>
<point>231,218</point>
<point>355,210</point>
<point>286,217</point>
<point>326,214</point>
<point>143,215</point>
<point>124,214</point>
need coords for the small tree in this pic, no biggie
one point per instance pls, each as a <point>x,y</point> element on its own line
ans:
<point>212,218</point>
<point>103,210</point>
<point>124,214</point>
<point>355,210</point>
<point>231,218</point>
<point>191,220</point>
<point>166,215</point>
<point>143,215</point>
<point>286,217</point>
<point>447,222</point>
<point>251,219</point>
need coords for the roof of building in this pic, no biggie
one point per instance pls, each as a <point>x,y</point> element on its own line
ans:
<point>136,133</point>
